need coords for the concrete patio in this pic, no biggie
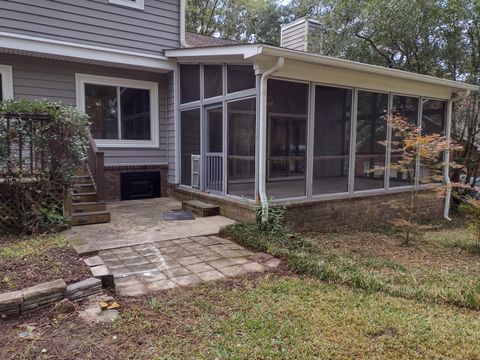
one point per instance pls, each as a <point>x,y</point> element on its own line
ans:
<point>141,222</point>
<point>145,253</point>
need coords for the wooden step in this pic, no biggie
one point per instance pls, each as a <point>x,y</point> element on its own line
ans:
<point>90,218</point>
<point>83,188</point>
<point>201,208</point>
<point>85,179</point>
<point>84,197</point>
<point>84,207</point>
<point>82,172</point>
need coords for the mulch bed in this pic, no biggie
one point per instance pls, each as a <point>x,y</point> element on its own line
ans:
<point>52,264</point>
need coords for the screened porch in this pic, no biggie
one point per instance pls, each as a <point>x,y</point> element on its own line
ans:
<point>322,140</point>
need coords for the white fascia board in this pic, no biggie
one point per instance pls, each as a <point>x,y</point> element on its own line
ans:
<point>81,51</point>
<point>373,69</point>
<point>245,51</point>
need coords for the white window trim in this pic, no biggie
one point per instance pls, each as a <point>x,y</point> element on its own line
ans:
<point>7,82</point>
<point>136,4</point>
<point>82,79</point>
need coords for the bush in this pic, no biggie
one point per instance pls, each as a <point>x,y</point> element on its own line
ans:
<point>42,144</point>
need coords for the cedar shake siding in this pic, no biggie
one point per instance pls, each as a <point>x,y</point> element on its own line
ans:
<point>96,22</point>
<point>53,80</point>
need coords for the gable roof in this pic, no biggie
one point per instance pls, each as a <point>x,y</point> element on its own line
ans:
<point>196,40</point>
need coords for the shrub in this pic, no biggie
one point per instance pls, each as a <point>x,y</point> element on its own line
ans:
<point>41,146</point>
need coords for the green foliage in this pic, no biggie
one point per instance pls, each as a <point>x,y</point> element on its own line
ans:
<point>270,220</point>
<point>33,186</point>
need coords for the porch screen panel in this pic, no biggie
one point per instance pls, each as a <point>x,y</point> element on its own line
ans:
<point>213,83</point>
<point>433,122</point>
<point>333,108</point>
<point>241,148</point>
<point>189,83</point>
<point>101,104</point>
<point>287,115</point>
<point>240,77</point>
<point>371,130</point>
<point>407,108</point>
<point>190,142</point>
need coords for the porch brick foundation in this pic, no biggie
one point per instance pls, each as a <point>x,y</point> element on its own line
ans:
<point>322,215</point>
<point>112,177</point>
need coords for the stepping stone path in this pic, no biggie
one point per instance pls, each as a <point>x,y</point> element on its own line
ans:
<point>141,269</point>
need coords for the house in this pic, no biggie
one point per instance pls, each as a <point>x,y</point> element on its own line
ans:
<point>235,124</point>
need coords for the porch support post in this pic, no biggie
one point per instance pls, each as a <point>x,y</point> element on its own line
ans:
<point>446,166</point>
<point>262,135</point>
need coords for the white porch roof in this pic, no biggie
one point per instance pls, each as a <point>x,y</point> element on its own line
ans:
<point>313,67</point>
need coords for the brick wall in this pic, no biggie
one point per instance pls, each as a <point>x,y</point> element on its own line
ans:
<point>356,213</point>
<point>323,215</point>
<point>112,177</point>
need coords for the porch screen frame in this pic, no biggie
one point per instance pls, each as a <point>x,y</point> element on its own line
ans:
<point>202,104</point>
<point>351,176</point>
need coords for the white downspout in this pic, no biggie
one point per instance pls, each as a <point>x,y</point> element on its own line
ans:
<point>262,159</point>
<point>183,10</point>
<point>446,168</point>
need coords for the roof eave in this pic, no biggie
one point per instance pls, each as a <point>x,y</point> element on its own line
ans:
<point>249,51</point>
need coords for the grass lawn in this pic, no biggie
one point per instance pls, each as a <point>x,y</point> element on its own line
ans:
<point>32,260</point>
<point>265,316</point>
<point>441,268</point>
<point>365,296</point>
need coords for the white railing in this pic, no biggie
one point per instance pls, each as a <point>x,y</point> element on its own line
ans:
<point>214,172</point>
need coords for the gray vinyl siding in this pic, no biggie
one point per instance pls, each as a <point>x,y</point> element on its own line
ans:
<point>96,22</point>
<point>294,37</point>
<point>35,78</point>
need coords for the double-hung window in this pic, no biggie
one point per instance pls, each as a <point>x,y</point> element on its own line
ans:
<point>123,112</point>
<point>6,82</point>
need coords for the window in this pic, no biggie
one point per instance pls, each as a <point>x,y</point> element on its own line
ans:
<point>287,138</point>
<point>332,140</point>
<point>371,131</point>
<point>241,147</point>
<point>189,142</point>
<point>6,82</point>
<point>136,4</point>
<point>240,77</point>
<point>407,108</point>
<point>123,112</point>
<point>189,83</point>
<point>213,75</point>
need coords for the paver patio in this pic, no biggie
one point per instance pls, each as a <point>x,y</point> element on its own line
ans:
<point>162,265</point>
<point>146,253</point>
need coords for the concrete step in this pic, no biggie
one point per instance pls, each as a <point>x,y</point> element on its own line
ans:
<point>89,218</point>
<point>84,197</point>
<point>83,188</point>
<point>201,208</point>
<point>84,207</point>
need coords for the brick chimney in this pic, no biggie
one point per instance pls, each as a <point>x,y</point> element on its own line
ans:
<point>299,34</point>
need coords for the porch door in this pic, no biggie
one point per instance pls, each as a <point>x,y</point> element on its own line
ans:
<point>214,149</point>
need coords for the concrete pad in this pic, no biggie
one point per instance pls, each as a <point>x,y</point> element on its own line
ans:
<point>141,222</point>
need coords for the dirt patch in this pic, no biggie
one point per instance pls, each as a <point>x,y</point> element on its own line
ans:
<point>29,262</point>
<point>435,251</point>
